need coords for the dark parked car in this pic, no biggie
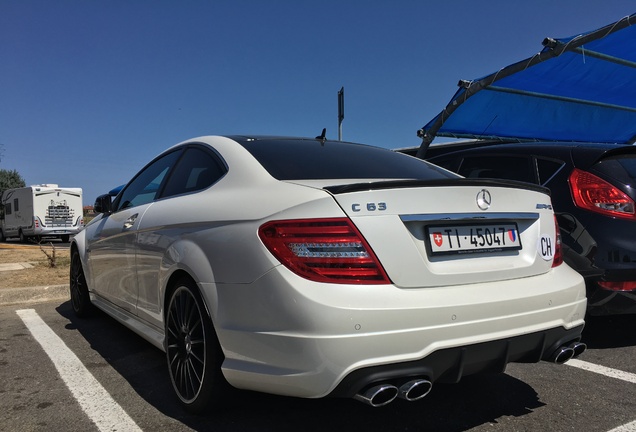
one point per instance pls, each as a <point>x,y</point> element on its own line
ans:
<point>593,190</point>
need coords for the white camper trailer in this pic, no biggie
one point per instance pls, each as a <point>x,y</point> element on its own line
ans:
<point>38,211</point>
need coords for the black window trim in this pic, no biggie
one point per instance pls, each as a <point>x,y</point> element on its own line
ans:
<point>182,149</point>
<point>203,147</point>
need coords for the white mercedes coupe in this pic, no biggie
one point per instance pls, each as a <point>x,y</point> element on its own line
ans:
<point>312,268</point>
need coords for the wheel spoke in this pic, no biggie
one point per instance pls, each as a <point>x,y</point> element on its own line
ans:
<point>185,345</point>
<point>78,288</point>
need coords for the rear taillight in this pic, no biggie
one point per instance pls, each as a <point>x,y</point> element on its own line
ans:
<point>595,194</point>
<point>323,250</point>
<point>618,286</point>
<point>558,251</point>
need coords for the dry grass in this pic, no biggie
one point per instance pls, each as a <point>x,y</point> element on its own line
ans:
<point>41,273</point>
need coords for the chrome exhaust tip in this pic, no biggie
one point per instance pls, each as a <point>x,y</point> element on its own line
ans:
<point>562,354</point>
<point>415,389</point>
<point>578,348</point>
<point>378,395</point>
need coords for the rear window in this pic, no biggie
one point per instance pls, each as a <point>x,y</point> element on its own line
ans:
<point>314,160</point>
<point>500,167</point>
<point>619,167</point>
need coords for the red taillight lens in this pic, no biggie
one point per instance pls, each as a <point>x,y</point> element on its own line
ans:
<point>593,193</point>
<point>558,251</point>
<point>323,250</point>
<point>618,286</point>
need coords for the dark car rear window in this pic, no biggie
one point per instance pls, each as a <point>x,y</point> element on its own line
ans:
<point>498,166</point>
<point>620,167</point>
<point>314,160</point>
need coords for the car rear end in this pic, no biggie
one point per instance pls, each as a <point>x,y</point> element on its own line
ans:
<point>603,197</point>
<point>400,284</point>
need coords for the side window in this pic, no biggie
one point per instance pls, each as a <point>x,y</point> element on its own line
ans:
<point>196,170</point>
<point>145,187</point>
<point>547,168</point>
<point>16,204</point>
<point>500,167</point>
<point>7,208</point>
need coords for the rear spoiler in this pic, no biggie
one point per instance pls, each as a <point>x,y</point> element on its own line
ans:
<point>402,184</point>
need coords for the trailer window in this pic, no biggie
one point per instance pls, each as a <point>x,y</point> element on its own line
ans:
<point>16,205</point>
<point>7,208</point>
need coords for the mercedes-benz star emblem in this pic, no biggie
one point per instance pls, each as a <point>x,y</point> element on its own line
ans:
<point>484,199</point>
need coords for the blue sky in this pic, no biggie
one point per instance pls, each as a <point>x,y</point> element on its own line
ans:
<point>90,91</point>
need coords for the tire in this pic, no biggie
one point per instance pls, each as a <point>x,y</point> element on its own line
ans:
<point>2,237</point>
<point>23,238</point>
<point>65,238</point>
<point>80,299</point>
<point>193,352</point>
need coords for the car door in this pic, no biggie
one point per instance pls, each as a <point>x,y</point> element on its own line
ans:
<point>111,242</point>
<point>166,222</point>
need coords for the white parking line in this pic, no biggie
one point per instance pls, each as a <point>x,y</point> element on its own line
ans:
<point>92,397</point>
<point>629,427</point>
<point>612,373</point>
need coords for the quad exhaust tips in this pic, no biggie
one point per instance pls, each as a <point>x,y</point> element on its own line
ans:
<point>378,395</point>
<point>415,389</point>
<point>567,352</point>
<point>382,394</point>
<point>578,347</point>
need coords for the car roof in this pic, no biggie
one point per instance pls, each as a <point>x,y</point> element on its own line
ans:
<point>584,153</point>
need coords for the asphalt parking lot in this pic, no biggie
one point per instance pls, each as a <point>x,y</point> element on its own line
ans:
<point>597,392</point>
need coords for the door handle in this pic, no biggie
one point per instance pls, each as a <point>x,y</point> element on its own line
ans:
<point>130,221</point>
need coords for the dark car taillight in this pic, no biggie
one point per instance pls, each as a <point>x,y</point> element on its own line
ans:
<point>558,251</point>
<point>323,250</point>
<point>618,286</point>
<point>595,194</point>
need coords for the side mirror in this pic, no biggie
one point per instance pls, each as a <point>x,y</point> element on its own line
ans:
<point>103,204</point>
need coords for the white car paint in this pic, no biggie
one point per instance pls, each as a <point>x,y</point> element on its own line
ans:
<point>282,333</point>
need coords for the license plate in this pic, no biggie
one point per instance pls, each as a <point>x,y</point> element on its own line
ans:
<point>452,239</point>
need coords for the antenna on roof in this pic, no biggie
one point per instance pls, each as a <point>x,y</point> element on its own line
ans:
<point>323,136</point>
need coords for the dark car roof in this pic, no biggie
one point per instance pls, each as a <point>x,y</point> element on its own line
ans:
<point>583,154</point>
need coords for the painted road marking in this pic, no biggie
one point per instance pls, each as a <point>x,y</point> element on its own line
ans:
<point>92,397</point>
<point>629,427</point>
<point>612,373</point>
<point>108,415</point>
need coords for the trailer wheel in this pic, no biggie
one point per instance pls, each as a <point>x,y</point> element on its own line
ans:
<point>23,238</point>
<point>2,237</point>
<point>65,238</point>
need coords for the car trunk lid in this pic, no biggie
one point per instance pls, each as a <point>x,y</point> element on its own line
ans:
<point>440,233</point>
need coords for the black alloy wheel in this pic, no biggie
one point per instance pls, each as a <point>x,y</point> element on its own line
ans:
<point>80,299</point>
<point>193,353</point>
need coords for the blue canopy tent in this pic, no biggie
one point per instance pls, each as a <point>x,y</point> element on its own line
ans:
<point>581,88</point>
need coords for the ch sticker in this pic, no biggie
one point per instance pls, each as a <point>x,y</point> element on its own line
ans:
<point>545,247</point>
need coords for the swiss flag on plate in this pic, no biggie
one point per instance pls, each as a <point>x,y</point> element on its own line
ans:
<point>438,239</point>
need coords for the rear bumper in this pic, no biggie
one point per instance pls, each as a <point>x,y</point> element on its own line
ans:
<point>451,364</point>
<point>606,302</point>
<point>55,231</point>
<point>286,335</point>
